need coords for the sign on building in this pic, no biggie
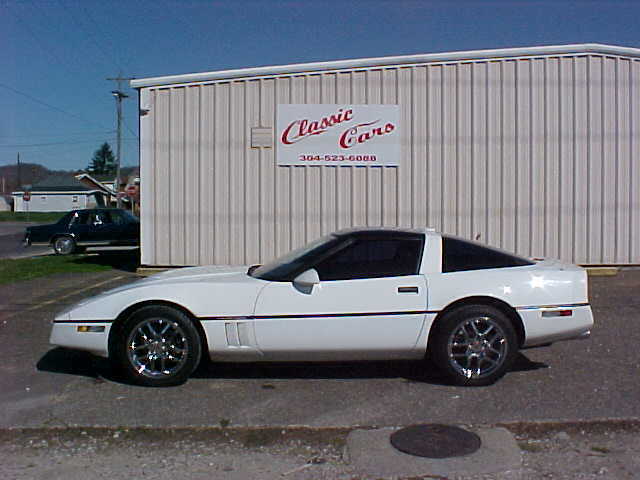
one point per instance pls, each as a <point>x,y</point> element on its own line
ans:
<point>338,135</point>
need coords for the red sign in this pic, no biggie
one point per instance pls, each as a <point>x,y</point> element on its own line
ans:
<point>132,190</point>
<point>26,196</point>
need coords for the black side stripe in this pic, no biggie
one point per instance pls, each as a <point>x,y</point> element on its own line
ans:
<point>278,317</point>
<point>566,305</point>
<point>320,315</point>
<point>73,322</point>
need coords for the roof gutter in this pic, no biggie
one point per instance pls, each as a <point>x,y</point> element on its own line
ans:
<point>381,62</point>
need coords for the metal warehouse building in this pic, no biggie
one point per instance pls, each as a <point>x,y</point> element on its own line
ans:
<point>535,150</point>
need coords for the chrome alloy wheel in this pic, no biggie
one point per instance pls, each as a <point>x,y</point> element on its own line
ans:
<point>157,347</point>
<point>477,347</point>
<point>64,245</point>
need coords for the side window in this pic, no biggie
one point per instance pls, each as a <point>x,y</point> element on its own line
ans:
<point>373,258</point>
<point>103,218</point>
<point>117,218</point>
<point>460,256</point>
<point>78,218</point>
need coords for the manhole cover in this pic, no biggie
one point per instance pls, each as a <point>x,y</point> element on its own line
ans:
<point>435,441</point>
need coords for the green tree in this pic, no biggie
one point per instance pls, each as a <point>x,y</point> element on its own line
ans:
<point>103,161</point>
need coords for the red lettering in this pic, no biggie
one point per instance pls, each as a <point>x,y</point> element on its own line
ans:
<point>359,133</point>
<point>305,128</point>
<point>285,133</point>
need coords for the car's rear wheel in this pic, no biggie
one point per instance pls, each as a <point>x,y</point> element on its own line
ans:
<point>64,245</point>
<point>474,345</point>
<point>158,346</point>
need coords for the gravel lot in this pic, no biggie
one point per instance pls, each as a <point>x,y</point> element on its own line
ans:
<point>559,451</point>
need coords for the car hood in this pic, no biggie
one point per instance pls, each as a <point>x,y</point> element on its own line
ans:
<point>204,291</point>
<point>209,275</point>
<point>209,271</point>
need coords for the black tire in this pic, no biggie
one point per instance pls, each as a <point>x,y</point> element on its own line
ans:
<point>63,245</point>
<point>474,345</point>
<point>158,346</point>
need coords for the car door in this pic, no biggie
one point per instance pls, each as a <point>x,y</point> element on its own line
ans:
<point>79,226</point>
<point>125,228</point>
<point>100,231</point>
<point>369,304</point>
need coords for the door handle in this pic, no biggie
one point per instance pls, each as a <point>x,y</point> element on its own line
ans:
<point>407,289</point>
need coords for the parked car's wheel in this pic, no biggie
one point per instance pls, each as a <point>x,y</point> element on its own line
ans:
<point>158,346</point>
<point>64,245</point>
<point>474,345</point>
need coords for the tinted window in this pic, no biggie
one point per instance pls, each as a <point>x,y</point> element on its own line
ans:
<point>98,218</point>
<point>458,256</point>
<point>117,217</point>
<point>128,217</point>
<point>78,218</point>
<point>287,267</point>
<point>373,258</point>
<point>67,219</point>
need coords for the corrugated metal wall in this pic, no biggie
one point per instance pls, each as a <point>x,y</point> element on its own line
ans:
<point>539,156</point>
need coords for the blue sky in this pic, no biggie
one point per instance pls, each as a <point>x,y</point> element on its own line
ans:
<point>55,55</point>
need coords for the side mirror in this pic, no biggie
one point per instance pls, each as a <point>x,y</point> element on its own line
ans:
<point>308,278</point>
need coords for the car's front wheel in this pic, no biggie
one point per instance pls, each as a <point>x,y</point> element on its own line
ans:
<point>474,345</point>
<point>64,245</point>
<point>158,346</point>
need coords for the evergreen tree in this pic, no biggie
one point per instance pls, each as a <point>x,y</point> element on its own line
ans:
<point>103,161</point>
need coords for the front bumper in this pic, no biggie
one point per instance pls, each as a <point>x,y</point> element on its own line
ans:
<point>88,336</point>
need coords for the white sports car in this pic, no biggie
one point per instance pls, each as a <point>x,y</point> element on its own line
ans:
<point>358,294</point>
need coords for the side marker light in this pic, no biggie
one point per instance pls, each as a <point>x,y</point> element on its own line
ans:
<point>90,329</point>
<point>557,313</point>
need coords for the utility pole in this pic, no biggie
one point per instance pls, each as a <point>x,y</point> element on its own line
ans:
<point>19,177</point>
<point>119,96</point>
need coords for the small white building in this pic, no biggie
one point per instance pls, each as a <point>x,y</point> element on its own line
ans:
<point>5,205</point>
<point>58,193</point>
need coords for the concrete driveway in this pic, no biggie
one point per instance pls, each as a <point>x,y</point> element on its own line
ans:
<point>42,385</point>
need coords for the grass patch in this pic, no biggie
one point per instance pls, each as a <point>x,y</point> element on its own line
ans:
<point>50,217</point>
<point>531,447</point>
<point>14,270</point>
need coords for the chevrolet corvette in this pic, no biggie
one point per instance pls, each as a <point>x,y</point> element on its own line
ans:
<point>357,294</point>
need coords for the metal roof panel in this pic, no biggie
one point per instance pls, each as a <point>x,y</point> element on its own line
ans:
<point>382,62</point>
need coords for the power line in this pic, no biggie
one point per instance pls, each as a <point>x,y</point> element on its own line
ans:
<point>103,34</point>
<point>43,46</point>
<point>46,47</point>
<point>89,35</point>
<point>130,131</point>
<point>61,134</point>
<point>41,102</point>
<point>27,145</point>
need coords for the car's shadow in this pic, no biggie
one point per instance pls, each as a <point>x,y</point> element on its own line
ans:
<point>72,362</point>
<point>125,260</point>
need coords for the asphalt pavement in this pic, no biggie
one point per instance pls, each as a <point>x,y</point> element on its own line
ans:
<point>11,235</point>
<point>580,381</point>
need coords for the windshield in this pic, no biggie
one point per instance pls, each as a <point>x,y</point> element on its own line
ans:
<point>287,267</point>
<point>65,219</point>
